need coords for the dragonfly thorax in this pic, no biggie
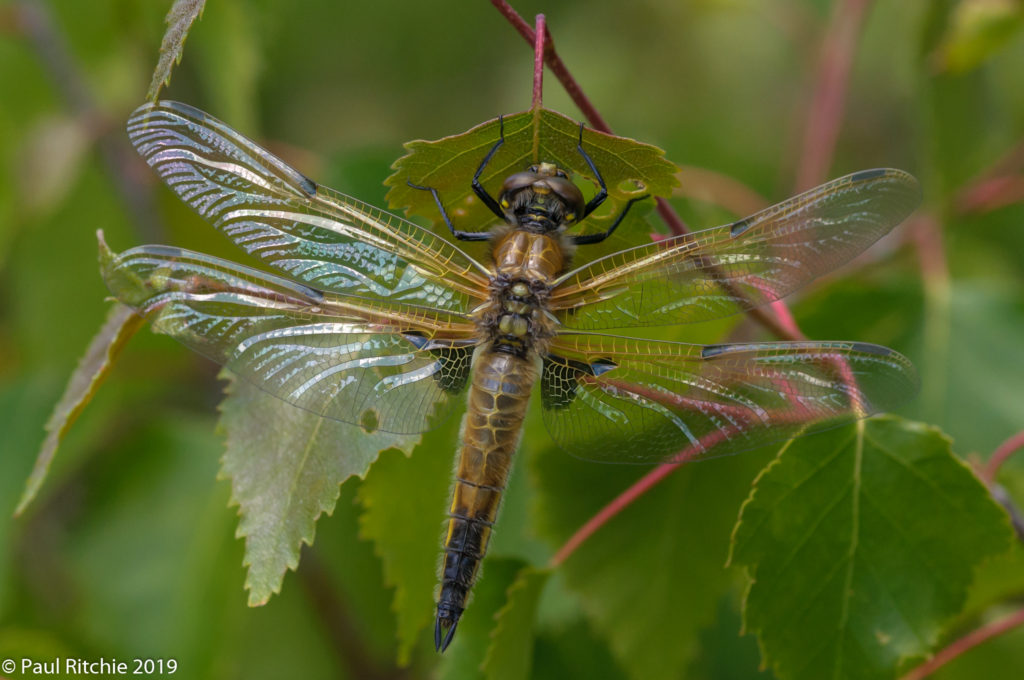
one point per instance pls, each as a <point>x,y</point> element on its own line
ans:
<point>542,199</point>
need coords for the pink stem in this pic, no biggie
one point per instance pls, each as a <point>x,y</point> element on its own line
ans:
<point>781,323</point>
<point>538,62</point>
<point>622,501</point>
<point>967,642</point>
<point>675,223</point>
<point>996,187</point>
<point>990,194</point>
<point>638,489</point>
<point>826,111</point>
<point>786,321</point>
<point>1005,450</point>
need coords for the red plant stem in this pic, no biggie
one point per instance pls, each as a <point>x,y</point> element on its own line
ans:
<point>998,186</point>
<point>786,321</point>
<point>670,217</point>
<point>33,21</point>
<point>1000,456</point>
<point>556,65</point>
<point>782,328</point>
<point>826,110</point>
<point>539,46</point>
<point>623,500</point>
<point>967,642</point>
<point>783,325</point>
<point>990,194</point>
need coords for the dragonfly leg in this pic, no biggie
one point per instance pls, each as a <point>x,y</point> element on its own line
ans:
<point>478,188</point>
<point>598,198</point>
<point>457,233</point>
<point>587,239</point>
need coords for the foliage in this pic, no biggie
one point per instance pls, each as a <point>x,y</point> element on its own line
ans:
<point>126,549</point>
<point>285,469</point>
<point>179,20</point>
<point>630,169</point>
<point>837,538</point>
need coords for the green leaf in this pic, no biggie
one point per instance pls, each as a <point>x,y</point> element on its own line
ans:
<point>179,21</point>
<point>652,577</point>
<point>286,466</point>
<point>975,395</point>
<point>448,164</point>
<point>92,370</point>
<point>510,654</point>
<point>862,540</point>
<point>404,502</point>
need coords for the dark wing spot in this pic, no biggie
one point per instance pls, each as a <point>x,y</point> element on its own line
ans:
<point>308,185</point>
<point>312,293</point>
<point>602,366</point>
<point>713,350</point>
<point>739,227</point>
<point>416,338</point>
<point>868,174</point>
<point>868,348</point>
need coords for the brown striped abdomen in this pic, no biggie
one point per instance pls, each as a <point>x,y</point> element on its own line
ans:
<point>490,434</point>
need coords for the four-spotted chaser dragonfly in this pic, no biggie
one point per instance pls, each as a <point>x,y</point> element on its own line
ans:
<point>376,321</point>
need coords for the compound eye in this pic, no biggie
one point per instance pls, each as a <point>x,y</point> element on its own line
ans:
<point>561,173</point>
<point>533,169</point>
<point>569,193</point>
<point>520,180</point>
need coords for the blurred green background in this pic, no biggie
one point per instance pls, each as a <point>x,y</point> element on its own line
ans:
<point>129,550</point>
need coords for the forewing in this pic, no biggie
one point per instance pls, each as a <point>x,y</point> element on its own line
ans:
<point>721,271</point>
<point>615,399</point>
<point>388,367</point>
<point>311,233</point>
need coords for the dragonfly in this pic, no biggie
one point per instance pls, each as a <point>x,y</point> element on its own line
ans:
<point>374,320</point>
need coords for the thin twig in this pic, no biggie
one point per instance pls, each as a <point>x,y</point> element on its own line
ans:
<point>344,632</point>
<point>826,111</point>
<point>556,65</point>
<point>538,63</point>
<point>966,643</point>
<point>990,194</point>
<point>781,329</point>
<point>33,19</point>
<point>998,186</point>
<point>782,324</point>
<point>1000,456</point>
<point>618,504</point>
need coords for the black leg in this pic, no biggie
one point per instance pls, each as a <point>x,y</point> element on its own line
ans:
<point>598,199</point>
<point>478,188</point>
<point>461,235</point>
<point>587,239</point>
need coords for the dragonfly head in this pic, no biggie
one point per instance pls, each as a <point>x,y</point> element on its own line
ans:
<point>542,195</point>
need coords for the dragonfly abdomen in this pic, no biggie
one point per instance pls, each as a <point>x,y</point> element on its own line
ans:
<point>490,434</point>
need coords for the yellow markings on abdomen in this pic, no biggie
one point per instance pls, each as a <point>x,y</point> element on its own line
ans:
<point>490,434</point>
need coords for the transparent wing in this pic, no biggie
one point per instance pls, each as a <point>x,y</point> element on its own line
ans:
<point>389,367</point>
<point>615,399</point>
<point>311,233</point>
<point>717,272</point>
